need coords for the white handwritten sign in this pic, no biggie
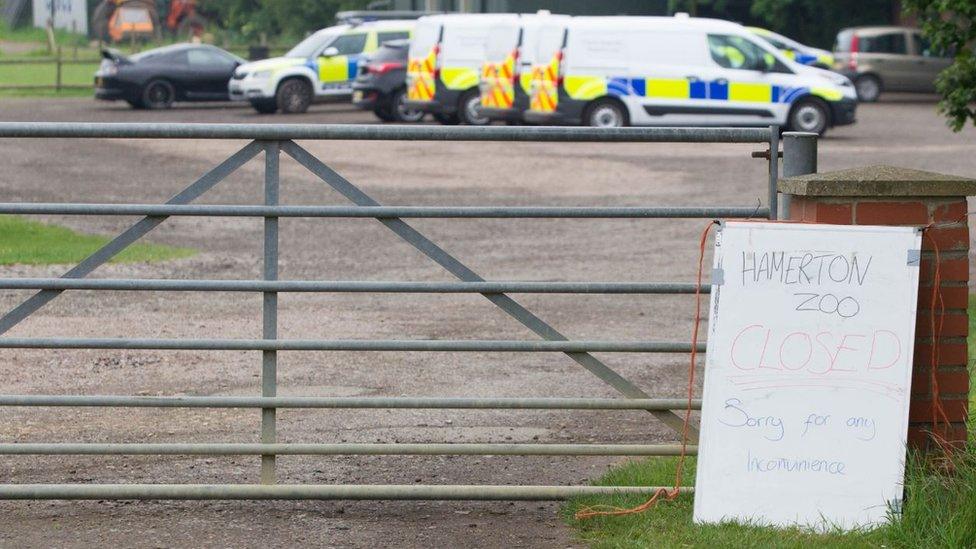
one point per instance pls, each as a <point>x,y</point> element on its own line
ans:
<point>807,377</point>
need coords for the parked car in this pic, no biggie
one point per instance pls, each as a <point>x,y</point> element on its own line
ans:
<point>155,79</point>
<point>381,84</point>
<point>678,71</point>
<point>506,74</point>
<point>320,67</point>
<point>801,53</point>
<point>446,57</point>
<point>881,59</point>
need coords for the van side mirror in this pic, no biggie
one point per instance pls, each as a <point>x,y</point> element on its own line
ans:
<point>331,51</point>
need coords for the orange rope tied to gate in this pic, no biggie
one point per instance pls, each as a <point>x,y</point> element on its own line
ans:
<point>665,493</point>
<point>938,412</point>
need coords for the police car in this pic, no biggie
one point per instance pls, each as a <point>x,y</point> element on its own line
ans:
<point>802,54</point>
<point>323,65</point>
<point>678,71</point>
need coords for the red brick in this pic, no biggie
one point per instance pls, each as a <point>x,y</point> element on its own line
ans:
<point>797,208</point>
<point>954,212</point>
<point>920,435</point>
<point>950,354</point>
<point>892,213</point>
<point>956,409</point>
<point>954,269</point>
<point>836,214</point>
<point>952,382</point>
<point>947,238</point>
<point>953,297</point>
<point>953,325</point>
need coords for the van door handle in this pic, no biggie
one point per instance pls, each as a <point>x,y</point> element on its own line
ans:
<point>691,78</point>
<point>722,81</point>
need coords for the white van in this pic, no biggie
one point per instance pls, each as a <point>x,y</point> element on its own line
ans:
<point>446,54</point>
<point>506,75</point>
<point>678,71</point>
<point>323,65</point>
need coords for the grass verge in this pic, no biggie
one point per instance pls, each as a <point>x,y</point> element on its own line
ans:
<point>939,510</point>
<point>28,242</point>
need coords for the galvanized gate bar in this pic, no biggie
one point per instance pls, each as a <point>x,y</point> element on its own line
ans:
<point>434,345</point>
<point>449,212</point>
<point>271,139</point>
<point>269,358</point>
<point>314,491</point>
<point>127,401</point>
<point>378,132</point>
<point>342,449</point>
<point>461,271</point>
<point>216,285</point>
<point>130,235</point>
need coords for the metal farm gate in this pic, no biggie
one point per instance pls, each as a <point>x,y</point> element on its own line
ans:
<point>270,141</point>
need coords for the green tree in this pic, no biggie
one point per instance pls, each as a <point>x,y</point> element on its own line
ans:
<point>950,25</point>
<point>816,22</point>
<point>280,20</point>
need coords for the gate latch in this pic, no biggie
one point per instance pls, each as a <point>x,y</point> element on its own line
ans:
<point>765,154</point>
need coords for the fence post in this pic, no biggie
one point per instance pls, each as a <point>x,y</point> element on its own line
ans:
<point>57,77</point>
<point>799,158</point>
<point>884,195</point>
<point>269,359</point>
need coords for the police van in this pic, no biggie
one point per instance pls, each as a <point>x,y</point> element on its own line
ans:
<point>506,77</point>
<point>446,56</point>
<point>678,71</point>
<point>321,66</point>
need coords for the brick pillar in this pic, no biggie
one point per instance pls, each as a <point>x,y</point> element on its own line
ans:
<point>883,195</point>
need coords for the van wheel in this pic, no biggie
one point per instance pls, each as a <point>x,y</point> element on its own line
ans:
<point>294,96</point>
<point>809,115</point>
<point>868,88</point>
<point>605,113</point>
<point>469,109</point>
<point>265,106</point>
<point>159,94</point>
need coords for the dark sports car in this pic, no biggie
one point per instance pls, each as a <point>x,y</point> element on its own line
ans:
<point>156,78</point>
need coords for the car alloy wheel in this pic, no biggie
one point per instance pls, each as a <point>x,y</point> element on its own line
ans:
<point>159,94</point>
<point>404,113</point>
<point>868,88</point>
<point>809,116</point>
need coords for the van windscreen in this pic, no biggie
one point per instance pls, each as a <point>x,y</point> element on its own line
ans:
<point>502,39</point>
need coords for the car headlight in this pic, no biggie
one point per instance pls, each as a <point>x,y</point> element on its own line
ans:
<point>262,75</point>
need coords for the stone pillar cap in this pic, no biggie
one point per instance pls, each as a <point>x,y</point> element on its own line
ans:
<point>878,181</point>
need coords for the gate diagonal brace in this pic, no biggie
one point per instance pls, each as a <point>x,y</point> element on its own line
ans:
<point>132,234</point>
<point>462,272</point>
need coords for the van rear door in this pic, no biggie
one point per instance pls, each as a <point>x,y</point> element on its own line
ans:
<point>422,60</point>
<point>500,65</point>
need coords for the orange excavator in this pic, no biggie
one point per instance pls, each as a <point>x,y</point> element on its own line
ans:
<point>122,20</point>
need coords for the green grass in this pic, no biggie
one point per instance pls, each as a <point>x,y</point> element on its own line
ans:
<point>939,510</point>
<point>28,242</point>
<point>29,34</point>
<point>43,74</point>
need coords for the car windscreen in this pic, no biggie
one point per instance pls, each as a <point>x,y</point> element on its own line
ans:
<point>390,52</point>
<point>313,44</point>
<point>502,39</point>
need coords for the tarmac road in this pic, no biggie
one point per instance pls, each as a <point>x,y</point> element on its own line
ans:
<point>903,130</point>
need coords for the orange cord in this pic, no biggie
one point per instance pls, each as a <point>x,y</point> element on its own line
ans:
<point>938,412</point>
<point>669,494</point>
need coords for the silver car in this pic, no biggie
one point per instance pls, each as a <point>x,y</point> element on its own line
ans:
<point>880,59</point>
